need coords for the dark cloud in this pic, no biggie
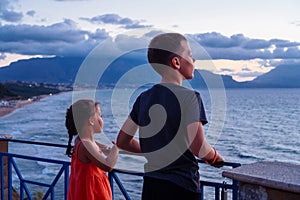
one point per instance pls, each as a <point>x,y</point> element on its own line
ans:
<point>115,19</point>
<point>65,31</point>
<point>2,56</point>
<point>248,74</point>
<point>239,47</point>
<point>11,16</point>
<point>246,69</point>
<point>66,38</point>
<point>217,40</point>
<point>226,70</point>
<point>61,39</point>
<point>136,25</point>
<point>284,43</point>
<point>71,0</point>
<point>256,44</point>
<point>30,13</point>
<point>7,12</point>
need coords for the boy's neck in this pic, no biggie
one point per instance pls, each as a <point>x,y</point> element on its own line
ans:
<point>174,78</point>
<point>171,81</point>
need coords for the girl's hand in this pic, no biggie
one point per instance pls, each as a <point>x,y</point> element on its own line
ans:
<point>115,145</point>
<point>105,150</point>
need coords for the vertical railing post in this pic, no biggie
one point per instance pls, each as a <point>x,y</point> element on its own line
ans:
<point>202,192</point>
<point>4,148</point>
<point>217,193</point>
<point>111,181</point>
<point>66,166</point>
<point>9,171</point>
<point>2,177</point>
<point>235,190</point>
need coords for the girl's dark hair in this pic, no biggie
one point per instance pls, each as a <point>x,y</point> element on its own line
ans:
<point>76,116</point>
<point>163,48</point>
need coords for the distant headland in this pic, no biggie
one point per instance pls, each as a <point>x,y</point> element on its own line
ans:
<point>15,94</point>
<point>63,70</point>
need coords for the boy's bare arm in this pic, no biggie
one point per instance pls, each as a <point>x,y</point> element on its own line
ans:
<point>126,140</point>
<point>199,145</point>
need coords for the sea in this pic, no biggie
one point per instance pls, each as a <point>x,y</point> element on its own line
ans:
<point>252,125</point>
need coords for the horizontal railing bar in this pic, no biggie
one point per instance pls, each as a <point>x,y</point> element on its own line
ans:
<point>35,158</point>
<point>36,143</point>
<point>128,172</point>
<point>215,184</point>
<point>229,164</point>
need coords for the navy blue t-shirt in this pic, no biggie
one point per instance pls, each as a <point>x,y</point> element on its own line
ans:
<point>163,113</point>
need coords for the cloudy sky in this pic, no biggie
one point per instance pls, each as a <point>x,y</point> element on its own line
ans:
<point>243,38</point>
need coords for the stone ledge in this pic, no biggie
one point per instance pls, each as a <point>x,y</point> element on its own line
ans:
<point>277,175</point>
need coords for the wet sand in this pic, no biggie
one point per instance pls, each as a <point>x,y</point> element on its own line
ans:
<point>19,104</point>
<point>5,110</point>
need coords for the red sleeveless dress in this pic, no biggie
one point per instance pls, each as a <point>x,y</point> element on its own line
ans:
<point>87,181</point>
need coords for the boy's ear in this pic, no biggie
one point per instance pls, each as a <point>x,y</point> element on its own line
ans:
<point>175,62</point>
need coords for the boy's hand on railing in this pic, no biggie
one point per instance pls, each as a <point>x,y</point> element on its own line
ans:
<point>219,162</point>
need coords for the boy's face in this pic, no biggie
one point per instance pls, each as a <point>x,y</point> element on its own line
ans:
<point>186,61</point>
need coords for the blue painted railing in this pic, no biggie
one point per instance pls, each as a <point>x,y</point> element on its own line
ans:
<point>11,164</point>
<point>220,188</point>
<point>64,171</point>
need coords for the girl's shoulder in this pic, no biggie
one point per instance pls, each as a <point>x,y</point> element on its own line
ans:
<point>88,146</point>
<point>83,148</point>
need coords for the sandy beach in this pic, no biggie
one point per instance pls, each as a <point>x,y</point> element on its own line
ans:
<point>5,110</point>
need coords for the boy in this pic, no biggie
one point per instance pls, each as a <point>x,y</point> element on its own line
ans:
<point>169,118</point>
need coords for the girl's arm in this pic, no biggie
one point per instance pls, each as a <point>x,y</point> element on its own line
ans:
<point>90,151</point>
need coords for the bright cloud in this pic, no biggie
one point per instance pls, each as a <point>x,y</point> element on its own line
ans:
<point>7,58</point>
<point>240,70</point>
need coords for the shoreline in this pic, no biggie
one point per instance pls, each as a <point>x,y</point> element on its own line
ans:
<point>6,110</point>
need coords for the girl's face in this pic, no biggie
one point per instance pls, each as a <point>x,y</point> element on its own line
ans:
<point>98,126</point>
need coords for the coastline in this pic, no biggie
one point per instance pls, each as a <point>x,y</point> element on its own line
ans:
<point>5,110</point>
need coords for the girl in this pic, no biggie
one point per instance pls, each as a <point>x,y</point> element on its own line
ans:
<point>88,178</point>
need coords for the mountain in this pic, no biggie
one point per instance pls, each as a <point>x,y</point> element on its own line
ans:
<point>64,70</point>
<point>283,76</point>
<point>49,70</point>
<point>204,79</point>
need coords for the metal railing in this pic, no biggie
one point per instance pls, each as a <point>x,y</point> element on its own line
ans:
<point>220,189</point>
<point>64,171</point>
<point>11,164</point>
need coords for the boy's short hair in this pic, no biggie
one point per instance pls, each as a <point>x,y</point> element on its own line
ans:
<point>163,48</point>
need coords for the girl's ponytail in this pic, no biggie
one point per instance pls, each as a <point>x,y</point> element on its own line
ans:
<point>70,125</point>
